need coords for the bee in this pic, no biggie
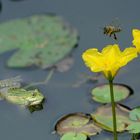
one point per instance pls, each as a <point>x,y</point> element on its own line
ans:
<point>110,30</point>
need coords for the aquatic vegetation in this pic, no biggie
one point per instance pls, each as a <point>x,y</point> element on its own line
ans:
<point>74,136</point>
<point>40,40</point>
<point>43,82</point>
<point>76,123</point>
<point>103,117</point>
<point>101,93</point>
<point>85,78</point>
<point>134,127</point>
<point>109,61</point>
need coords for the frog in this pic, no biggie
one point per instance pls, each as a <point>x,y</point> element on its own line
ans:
<point>11,90</point>
<point>23,97</point>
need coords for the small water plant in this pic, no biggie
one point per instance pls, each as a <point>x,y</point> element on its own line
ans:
<point>109,61</point>
<point>76,126</point>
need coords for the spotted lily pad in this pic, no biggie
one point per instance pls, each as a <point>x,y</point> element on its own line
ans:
<point>103,117</point>
<point>102,93</point>
<point>40,40</point>
<point>73,136</point>
<point>77,123</point>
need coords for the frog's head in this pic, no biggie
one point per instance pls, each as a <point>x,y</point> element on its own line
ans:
<point>35,97</point>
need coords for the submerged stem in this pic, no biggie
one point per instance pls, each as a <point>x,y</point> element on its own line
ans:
<point>49,76</point>
<point>133,137</point>
<point>113,110</point>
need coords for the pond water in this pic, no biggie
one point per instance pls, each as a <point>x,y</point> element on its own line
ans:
<point>87,17</point>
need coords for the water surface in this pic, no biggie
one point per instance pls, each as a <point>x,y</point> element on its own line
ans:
<point>87,17</point>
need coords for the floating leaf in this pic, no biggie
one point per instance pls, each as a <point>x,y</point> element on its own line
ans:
<point>41,40</point>
<point>103,117</point>
<point>102,93</point>
<point>135,114</point>
<point>74,136</point>
<point>77,123</point>
<point>134,127</point>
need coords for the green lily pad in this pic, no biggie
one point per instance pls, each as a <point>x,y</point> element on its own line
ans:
<point>103,117</point>
<point>73,136</point>
<point>102,93</point>
<point>40,40</point>
<point>135,114</point>
<point>77,123</point>
<point>134,127</point>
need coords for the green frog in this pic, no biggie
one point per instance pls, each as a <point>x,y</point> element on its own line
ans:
<point>11,91</point>
<point>24,97</point>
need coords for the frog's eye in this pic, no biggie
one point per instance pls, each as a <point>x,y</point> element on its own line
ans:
<point>34,94</point>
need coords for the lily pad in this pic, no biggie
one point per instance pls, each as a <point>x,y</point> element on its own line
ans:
<point>134,127</point>
<point>77,123</point>
<point>73,136</point>
<point>135,114</point>
<point>103,117</point>
<point>41,40</point>
<point>102,93</point>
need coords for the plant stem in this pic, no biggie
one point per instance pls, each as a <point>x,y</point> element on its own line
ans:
<point>113,110</point>
<point>133,137</point>
<point>49,76</point>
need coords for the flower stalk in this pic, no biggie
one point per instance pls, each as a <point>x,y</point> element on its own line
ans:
<point>109,61</point>
<point>113,110</point>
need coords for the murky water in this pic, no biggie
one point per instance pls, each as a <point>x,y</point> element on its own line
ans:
<point>87,16</point>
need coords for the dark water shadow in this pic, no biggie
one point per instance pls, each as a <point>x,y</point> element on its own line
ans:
<point>0,6</point>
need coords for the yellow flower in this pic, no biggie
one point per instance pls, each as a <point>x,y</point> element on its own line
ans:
<point>136,41</point>
<point>109,60</point>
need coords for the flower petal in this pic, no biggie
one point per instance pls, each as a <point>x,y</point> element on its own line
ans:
<point>136,41</point>
<point>93,59</point>
<point>127,55</point>
<point>110,60</point>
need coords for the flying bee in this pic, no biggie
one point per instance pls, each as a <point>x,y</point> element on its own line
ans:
<point>111,29</point>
